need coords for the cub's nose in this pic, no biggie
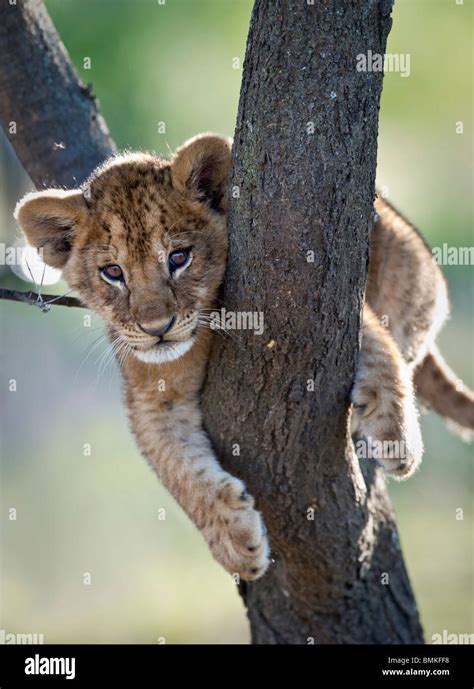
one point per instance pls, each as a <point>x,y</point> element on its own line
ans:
<point>155,331</point>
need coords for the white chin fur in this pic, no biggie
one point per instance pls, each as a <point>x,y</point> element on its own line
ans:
<point>164,353</point>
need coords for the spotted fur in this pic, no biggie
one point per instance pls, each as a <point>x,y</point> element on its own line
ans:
<point>134,211</point>
<point>137,209</point>
<point>406,306</point>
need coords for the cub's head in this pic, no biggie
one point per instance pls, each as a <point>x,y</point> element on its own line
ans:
<point>143,241</point>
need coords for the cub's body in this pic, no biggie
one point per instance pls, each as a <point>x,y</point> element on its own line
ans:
<point>144,243</point>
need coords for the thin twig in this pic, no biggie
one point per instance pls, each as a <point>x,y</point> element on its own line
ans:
<point>42,301</point>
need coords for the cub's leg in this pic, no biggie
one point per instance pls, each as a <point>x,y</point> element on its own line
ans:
<point>172,439</point>
<point>405,287</point>
<point>384,413</point>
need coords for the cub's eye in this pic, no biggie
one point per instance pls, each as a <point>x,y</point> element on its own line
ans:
<point>179,259</point>
<point>113,273</point>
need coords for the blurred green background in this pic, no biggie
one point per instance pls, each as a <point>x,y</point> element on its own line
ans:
<point>153,579</point>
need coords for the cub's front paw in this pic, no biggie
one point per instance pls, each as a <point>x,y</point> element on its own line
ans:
<point>236,533</point>
<point>388,432</point>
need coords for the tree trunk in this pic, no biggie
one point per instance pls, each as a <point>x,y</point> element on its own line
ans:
<point>304,170</point>
<point>305,153</point>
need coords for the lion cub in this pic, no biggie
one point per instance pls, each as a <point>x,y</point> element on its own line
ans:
<point>144,243</point>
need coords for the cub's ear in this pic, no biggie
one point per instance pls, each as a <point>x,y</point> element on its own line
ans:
<point>202,166</point>
<point>48,219</point>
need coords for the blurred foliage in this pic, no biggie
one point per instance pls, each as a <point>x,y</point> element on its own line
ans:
<point>175,64</point>
<point>153,63</point>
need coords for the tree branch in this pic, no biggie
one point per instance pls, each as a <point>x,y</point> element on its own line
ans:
<point>42,301</point>
<point>50,117</point>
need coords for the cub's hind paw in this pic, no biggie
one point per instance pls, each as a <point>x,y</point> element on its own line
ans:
<point>394,453</point>
<point>384,412</point>
<point>236,533</point>
<point>391,437</point>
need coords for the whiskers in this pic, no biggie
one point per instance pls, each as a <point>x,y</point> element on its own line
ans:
<point>122,352</point>
<point>118,349</point>
<point>94,346</point>
<point>205,320</point>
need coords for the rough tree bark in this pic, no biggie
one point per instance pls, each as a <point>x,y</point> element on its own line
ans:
<point>304,167</point>
<point>305,157</point>
<point>49,115</point>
